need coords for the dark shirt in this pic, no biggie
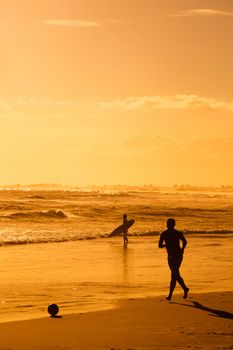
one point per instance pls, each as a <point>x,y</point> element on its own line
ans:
<point>172,240</point>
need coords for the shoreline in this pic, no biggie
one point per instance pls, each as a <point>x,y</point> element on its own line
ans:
<point>118,302</point>
<point>221,233</point>
<point>203,321</point>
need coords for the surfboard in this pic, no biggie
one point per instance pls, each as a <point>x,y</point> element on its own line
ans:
<point>120,228</point>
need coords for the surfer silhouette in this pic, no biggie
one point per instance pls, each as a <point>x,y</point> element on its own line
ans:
<point>175,252</point>
<point>125,229</point>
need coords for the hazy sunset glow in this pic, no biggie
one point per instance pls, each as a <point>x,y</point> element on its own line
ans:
<point>116,92</point>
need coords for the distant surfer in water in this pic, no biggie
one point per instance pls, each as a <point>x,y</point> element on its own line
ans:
<point>125,229</point>
<point>175,252</point>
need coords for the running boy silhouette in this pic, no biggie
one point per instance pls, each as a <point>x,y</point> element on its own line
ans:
<point>175,252</point>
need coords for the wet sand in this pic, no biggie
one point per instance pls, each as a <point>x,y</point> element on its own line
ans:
<point>92,275</point>
<point>203,321</point>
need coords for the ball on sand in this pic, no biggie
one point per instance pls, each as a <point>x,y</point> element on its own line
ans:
<point>53,309</point>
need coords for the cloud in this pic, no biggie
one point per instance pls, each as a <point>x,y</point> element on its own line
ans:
<point>200,160</point>
<point>70,23</point>
<point>213,152</point>
<point>204,12</point>
<point>21,101</point>
<point>173,102</point>
<point>4,105</point>
<point>129,104</point>
<point>56,108</point>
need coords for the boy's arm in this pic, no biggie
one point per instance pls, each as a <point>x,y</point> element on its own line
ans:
<point>161,240</point>
<point>184,241</point>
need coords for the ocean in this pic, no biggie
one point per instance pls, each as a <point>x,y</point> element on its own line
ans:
<point>39,215</point>
<point>55,245</point>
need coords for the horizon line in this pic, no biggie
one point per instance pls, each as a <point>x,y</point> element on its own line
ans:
<point>185,186</point>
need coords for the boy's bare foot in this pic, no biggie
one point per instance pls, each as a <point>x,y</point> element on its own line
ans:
<point>186,293</point>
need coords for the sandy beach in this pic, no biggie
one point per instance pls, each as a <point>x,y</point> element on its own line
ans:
<point>86,276</point>
<point>203,321</point>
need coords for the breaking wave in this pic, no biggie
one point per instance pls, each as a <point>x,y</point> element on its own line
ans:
<point>53,214</point>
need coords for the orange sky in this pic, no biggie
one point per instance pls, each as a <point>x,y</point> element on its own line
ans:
<point>116,92</point>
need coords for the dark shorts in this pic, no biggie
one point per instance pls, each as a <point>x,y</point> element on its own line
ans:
<point>175,261</point>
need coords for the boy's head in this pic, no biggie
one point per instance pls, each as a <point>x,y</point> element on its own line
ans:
<point>171,223</point>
